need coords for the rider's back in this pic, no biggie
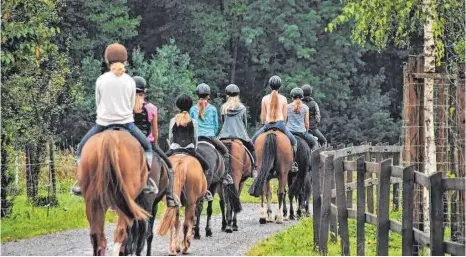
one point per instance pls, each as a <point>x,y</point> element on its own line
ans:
<point>208,125</point>
<point>296,118</point>
<point>115,97</point>
<point>267,101</point>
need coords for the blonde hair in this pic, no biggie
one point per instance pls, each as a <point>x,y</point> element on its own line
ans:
<point>232,103</point>
<point>139,103</point>
<point>297,104</point>
<point>201,105</point>
<point>182,119</point>
<point>274,106</point>
<point>118,68</point>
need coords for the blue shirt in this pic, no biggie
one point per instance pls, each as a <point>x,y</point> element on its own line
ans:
<point>209,125</point>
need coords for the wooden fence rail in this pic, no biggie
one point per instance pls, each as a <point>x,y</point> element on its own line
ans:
<point>376,166</point>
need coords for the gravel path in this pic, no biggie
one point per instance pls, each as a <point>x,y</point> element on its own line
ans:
<point>77,242</point>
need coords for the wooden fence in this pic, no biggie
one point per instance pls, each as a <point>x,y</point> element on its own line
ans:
<point>376,166</point>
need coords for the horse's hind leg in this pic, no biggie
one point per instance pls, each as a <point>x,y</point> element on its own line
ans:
<point>177,232</point>
<point>151,229</point>
<point>119,236</point>
<point>96,217</point>
<point>208,229</point>
<point>268,194</point>
<point>281,201</point>
<point>197,223</point>
<point>222,208</point>
<point>263,215</point>
<point>187,228</point>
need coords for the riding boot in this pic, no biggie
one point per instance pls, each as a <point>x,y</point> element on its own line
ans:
<point>253,164</point>
<point>76,189</point>
<point>151,187</point>
<point>171,201</point>
<point>208,195</point>
<point>227,179</point>
<point>294,168</point>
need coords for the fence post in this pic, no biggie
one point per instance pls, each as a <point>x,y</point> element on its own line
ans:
<point>407,232</point>
<point>316,167</point>
<point>396,186</point>
<point>333,217</point>
<point>383,205</point>
<point>349,179</point>
<point>361,205</point>
<point>326,201</point>
<point>436,214</point>
<point>369,189</point>
<point>342,206</point>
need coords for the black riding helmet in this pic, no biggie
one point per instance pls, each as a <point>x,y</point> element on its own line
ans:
<point>141,84</point>
<point>184,102</point>
<point>307,90</point>
<point>297,93</point>
<point>202,90</point>
<point>232,90</point>
<point>275,82</point>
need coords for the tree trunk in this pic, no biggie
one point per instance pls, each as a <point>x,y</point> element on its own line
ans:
<point>5,180</point>
<point>430,162</point>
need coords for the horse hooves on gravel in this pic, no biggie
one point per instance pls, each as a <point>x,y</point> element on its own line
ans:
<point>262,221</point>
<point>208,232</point>
<point>197,236</point>
<point>229,229</point>
<point>235,228</point>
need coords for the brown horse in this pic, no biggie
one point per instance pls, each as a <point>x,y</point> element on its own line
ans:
<point>190,185</point>
<point>112,173</point>
<point>274,158</point>
<point>241,169</point>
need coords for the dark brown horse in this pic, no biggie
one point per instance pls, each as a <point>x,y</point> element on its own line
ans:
<point>112,173</point>
<point>241,169</point>
<point>142,231</point>
<point>190,185</point>
<point>274,158</point>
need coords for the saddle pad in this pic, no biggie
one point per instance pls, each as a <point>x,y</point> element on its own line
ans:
<point>207,143</point>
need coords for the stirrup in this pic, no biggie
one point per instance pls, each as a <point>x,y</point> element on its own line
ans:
<point>294,168</point>
<point>227,179</point>
<point>151,187</point>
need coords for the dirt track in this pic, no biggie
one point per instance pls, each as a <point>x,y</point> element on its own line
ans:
<point>77,242</point>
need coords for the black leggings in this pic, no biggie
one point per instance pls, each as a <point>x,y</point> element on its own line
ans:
<point>159,152</point>
<point>316,132</point>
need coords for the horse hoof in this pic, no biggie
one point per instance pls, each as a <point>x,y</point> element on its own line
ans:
<point>196,236</point>
<point>235,228</point>
<point>223,228</point>
<point>269,219</point>
<point>292,217</point>
<point>229,230</point>
<point>262,221</point>
<point>208,233</point>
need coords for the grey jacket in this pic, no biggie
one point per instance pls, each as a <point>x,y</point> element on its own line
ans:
<point>235,124</point>
<point>314,112</point>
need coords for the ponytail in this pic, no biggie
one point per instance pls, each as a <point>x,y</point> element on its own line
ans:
<point>297,103</point>
<point>118,68</point>
<point>201,105</point>
<point>182,119</point>
<point>274,106</point>
<point>138,104</point>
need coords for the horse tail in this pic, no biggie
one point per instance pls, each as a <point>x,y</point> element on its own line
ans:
<point>302,158</point>
<point>110,184</point>
<point>268,159</point>
<point>169,216</point>
<point>231,192</point>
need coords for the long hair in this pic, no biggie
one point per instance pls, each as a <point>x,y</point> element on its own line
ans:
<point>232,103</point>
<point>201,105</point>
<point>139,103</point>
<point>274,105</point>
<point>297,105</point>
<point>182,119</point>
<point>118,68</point>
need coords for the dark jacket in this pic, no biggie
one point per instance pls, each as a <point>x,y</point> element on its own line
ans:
<point>314,112</point>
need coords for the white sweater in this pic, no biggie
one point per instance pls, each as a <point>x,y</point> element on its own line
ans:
<point>115,97</point>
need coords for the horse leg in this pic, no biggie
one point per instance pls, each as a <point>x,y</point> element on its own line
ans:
<point>177,232</point>
<point>151,229</point>
<point>173,240</point>
<point>119,236</point>
<point>199,207</point>
<point>290,197</point>
<point>187,228</point>
<point>96,217</point>
<point>281,200</point>
<point>285,209</point>
<point>222,208</point>
<point>269,201</point>
<point>263,216</point>
<point>300,206</point>
<point>208,230</point>
<point>229,212</point>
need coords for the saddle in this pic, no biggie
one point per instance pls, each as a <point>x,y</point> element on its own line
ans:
<point>181,151</point>
<point>229,140</point>
<point>116,127</point>
<point>207,141</point>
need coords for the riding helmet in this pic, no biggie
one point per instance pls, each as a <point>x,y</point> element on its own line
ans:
<point>184,102</point>
<point>297,93</point>
<point>232,90</point>
<point>141,84</point>
<point>116,53</point>
<point>307,90</point>
<point>275,82</point>
<point>203,90</point>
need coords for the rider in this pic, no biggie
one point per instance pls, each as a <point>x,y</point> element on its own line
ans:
<point>314,113</point>
<point>115,95</point>
<point>182,135</point>
<point>235,120</point>
<point>207,121</point>
<point>145,118</point>
<point>298,116</point>
<point>277,119</point>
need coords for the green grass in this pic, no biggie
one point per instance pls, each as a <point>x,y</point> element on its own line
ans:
<point>298,240</point>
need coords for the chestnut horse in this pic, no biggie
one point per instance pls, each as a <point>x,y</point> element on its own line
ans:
<point>189,185</point>
<point>274,158</point>
<point>241,170</point>
<point>112,173</point>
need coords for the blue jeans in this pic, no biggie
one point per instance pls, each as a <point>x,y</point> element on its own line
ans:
<point>132,129</point>
<point>281,126</point>
<point>310,140</point>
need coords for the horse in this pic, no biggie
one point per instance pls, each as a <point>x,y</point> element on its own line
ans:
<point>189,185</point>
<point>112,173</point>
<point>227,193</point>
<point>241,169</point>
<point>274,158</point>
<point>299,182</point>
<point>142,231</point>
